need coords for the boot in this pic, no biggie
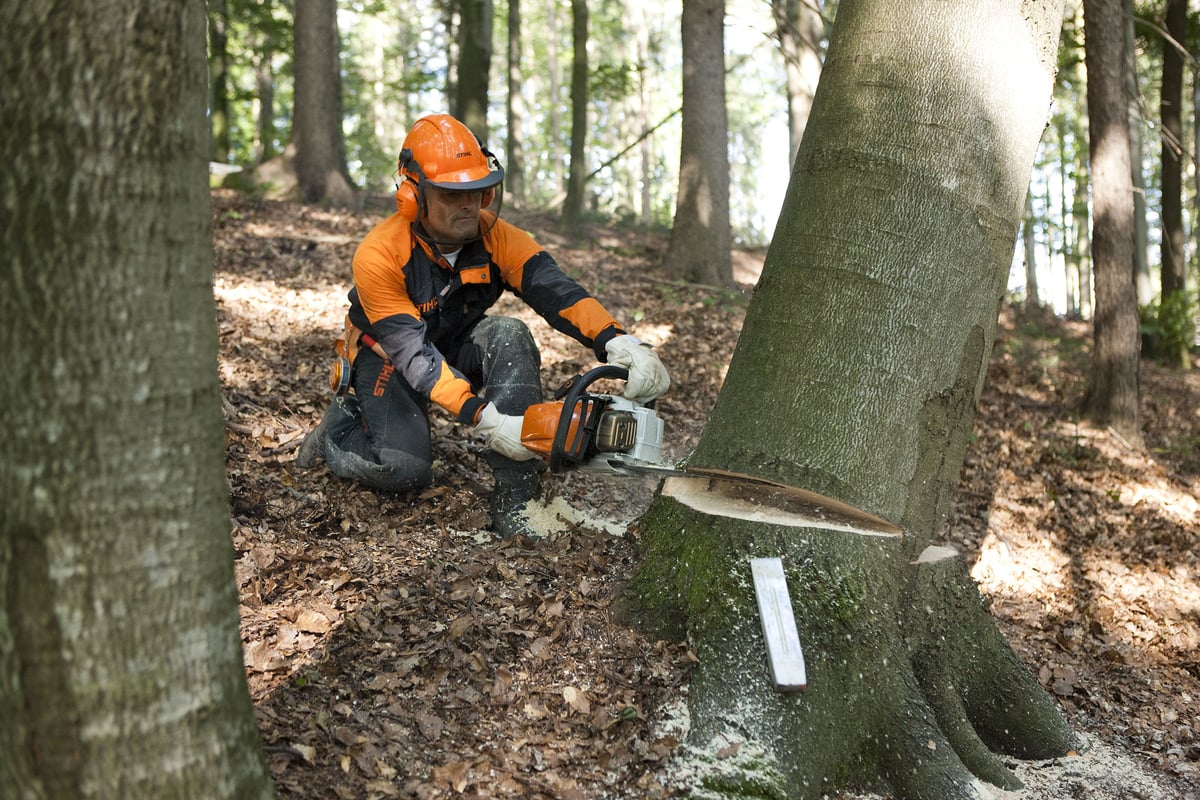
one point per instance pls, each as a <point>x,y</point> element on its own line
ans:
<point>313,446</point>
<point>515,490</point>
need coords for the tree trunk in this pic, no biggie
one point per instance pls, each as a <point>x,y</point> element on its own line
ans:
<point>121,671</point>
<point>577,176</point>
<point>218,67</point>
<point>317,130</point>
<point>1112,393</point>
<point>514,174</point>
<point>1173,310</point>
<point>474,65</point>
<point>699,250</point>
<point>1033,301</point>
<point>264,79</point>
<point>1141,233</point>
<point>865,348</point>
<point>800,29</point>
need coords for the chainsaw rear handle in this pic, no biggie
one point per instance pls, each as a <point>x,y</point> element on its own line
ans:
<point>574,392</point>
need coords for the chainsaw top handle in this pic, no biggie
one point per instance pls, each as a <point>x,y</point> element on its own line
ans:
<point>574,393</point>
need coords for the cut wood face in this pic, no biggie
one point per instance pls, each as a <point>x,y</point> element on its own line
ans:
<point>756,500</point>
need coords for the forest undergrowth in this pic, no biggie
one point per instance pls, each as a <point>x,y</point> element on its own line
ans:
<point>396,649</point>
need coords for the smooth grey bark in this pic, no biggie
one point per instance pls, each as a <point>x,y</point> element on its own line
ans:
<point>577,173</point>
<point>320,161</point>
<point>800,30</point>
<point>474,65</point>
<point>857,375</point>
<point>121,671</point>
<point>1029,236</point>
<point>514,168</point>
<point>1141,232</point>
<point>218,65</point>
<point>699,250</point>
<point>1112,396</point>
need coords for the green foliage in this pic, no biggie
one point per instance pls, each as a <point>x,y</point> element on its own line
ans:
<point>1169,325</point>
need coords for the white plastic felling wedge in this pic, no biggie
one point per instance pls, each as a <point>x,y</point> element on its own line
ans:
<point>778,624</point>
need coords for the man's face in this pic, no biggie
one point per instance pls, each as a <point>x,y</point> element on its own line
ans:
<point>452,217</point>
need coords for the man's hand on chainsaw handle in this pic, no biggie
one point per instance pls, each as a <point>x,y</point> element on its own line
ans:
<point>502,433</point>
<point>648,377</point>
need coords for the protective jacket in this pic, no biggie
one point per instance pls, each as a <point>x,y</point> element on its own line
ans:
<point>419,306</point>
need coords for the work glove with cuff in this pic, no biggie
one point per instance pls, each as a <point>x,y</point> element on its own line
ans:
<point>502,433</point>
<point>648,377</point>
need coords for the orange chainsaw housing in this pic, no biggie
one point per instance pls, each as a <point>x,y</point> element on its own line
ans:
<point>541,423</point>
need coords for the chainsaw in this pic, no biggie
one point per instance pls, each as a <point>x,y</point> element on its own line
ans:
<point>594,432</point>
<point>605,433</point>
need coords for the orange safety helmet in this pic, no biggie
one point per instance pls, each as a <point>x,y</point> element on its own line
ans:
<point>442,152</point>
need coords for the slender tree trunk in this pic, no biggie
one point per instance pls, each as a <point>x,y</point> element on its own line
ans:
<point>856,375</point>
<point>474,65</point>
<point>1141,233</point>
<point>699,250</point>
<point>218,68</point>
<point>554,89</point>
<point>800,29</point>
<point>1112,394</point>
<point>577,176</point>
<point>1174,306</point>
<point>1029,237</point>
<point>317,130</point>
<point>121,671</point>
<point>264,79</point>
<point>514,173</point>
<point>1083,237</point>
<point>646,149</point>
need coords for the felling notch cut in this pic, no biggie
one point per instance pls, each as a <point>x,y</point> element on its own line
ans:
<point>778,625</point>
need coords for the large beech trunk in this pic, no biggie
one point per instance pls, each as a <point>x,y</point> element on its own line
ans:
<point>121,671</point>
<point>856,375</point>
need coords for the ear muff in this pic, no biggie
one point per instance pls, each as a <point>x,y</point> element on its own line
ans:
<point>408,198</point>
<point>407,202</point>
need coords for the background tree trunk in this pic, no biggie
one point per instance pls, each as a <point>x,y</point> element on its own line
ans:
<point>577,176</point>
<point>514,166</point>
<point>121,670</point>
<point>1174,308</point>
<point>218,67</point>
<point>699,250</point>
<point>800,29</point>
<point>317,130</point>
<point>857,372</point>
<point>1033,301</point>
<point>474,66</point>
<point>1141,232</point>
<point>1112,394</point>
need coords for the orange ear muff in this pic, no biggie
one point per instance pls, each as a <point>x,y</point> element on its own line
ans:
<point>406,199</point>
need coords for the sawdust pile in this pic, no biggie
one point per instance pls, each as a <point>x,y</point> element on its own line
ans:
<point>395,649</point>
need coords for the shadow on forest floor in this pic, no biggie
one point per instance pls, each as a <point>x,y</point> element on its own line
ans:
<point>393,650</point>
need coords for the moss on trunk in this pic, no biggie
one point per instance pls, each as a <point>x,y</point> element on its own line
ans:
<point>909,682</point>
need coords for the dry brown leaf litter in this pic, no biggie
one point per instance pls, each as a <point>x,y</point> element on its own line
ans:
<point>395,649</point>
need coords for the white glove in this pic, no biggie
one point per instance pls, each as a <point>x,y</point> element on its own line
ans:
<point>648,377</point>
<point>502,433</point>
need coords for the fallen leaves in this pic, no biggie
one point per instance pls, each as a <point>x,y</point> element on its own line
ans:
<point>395,649</point>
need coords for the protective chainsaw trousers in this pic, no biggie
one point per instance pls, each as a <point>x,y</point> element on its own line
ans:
<point>384,441</point>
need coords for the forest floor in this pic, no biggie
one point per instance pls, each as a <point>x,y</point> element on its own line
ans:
<point>394,648</point>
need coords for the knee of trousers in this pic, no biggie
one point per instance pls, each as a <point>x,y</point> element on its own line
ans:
<point>512,364</point>
<point>388,470</point>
